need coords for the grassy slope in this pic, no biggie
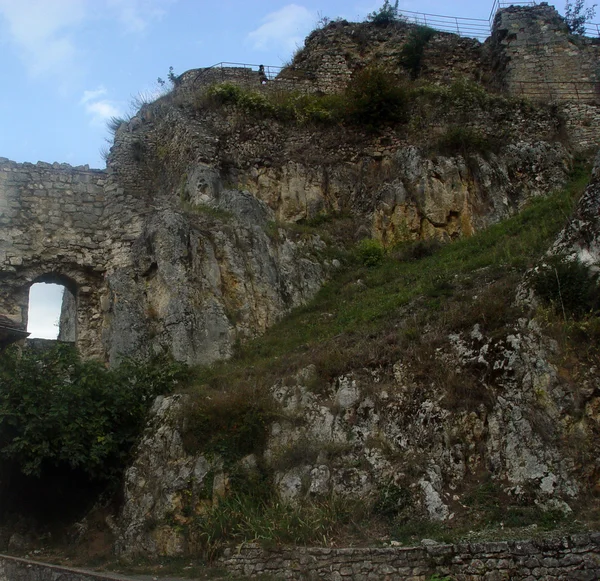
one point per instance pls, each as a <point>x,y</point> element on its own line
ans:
<point>361,302</point>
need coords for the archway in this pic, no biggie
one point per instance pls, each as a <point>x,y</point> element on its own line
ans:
<point>52,311</point>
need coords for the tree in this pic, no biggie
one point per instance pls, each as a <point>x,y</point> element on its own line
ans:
<point>576,15</point>
<point>387,14</point>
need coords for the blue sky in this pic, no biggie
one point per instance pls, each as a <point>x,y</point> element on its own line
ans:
<point>69,65</point>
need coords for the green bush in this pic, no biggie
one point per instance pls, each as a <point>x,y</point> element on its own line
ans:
<point>385,15</point>
<point>231,94</point>
<point>375,98</point>
<point>464,141</point>
<point>370,252</point>
<point>411,55</point>
<point>58,412</point>
<point>231,423</point>
<point>569,286</point>
<point>249,517</point>
<point>391,500</point>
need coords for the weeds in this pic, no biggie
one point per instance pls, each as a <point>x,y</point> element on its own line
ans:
<point>353,323</point>
<point>464,141</point>
<point>568,286</point>
<point>232,423</point>
<point>385,14</point>
<point>268,521</point>
<point>411,54</point>
<point>364,301</point>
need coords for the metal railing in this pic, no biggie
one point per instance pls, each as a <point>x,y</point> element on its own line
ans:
<point>592,29</point>
<point>251,71</point>
<point>470,27</point>
<point>498,4</point>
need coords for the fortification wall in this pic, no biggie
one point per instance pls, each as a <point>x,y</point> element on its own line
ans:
<point>51,217</point>
<point>59,225</point>
<point>537,57</point>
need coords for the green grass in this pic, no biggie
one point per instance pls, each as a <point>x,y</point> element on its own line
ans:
<point>362,300</point>
<point>359,318</point>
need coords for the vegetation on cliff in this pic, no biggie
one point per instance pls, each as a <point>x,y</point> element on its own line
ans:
<point>69,423</point>
<point>370,315</point>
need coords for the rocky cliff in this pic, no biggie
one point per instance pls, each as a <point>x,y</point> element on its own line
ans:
<point>483,397</point>
<point>428,376</point>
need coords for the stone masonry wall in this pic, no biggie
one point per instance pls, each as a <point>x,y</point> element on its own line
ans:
<point>65,225</point>
<point>574,558</point>
<point>50,217</point>
<point>537,57</point>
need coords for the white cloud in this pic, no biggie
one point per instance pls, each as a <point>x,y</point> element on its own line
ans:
<point>100,110</point>
<point>92,95</point>
<point>284,29</point>
<point>136,15</point>
<point>41,30</point>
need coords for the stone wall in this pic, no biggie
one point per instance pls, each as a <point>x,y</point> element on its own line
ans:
<point>51,219</point>
<point>13,569</point>
<point>574,558</point>
<point>537,57</point>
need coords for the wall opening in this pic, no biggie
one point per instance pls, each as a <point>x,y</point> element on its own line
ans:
<point>52,312</point>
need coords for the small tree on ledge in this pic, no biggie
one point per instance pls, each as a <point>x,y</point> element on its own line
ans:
<point>387,14</point>
<point>576,16</point>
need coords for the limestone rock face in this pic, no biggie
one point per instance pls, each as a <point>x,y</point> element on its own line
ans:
<point>581,237</point>
<point>400,426</point>
<point>198,281</point>
<point>372,430</point>
<point>161,481</point>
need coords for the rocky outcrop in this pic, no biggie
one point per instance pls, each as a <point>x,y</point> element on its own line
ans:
<point>480,401</point>
<point>204,278</point>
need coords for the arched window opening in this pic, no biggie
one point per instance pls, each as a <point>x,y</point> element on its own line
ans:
<point>52,312</point>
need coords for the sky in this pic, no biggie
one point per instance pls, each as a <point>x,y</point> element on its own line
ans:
<point>70,65</point>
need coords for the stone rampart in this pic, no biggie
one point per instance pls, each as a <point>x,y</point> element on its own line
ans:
<point>574,558</point>
<point>537,57</point>
<point>51,220</point>
<point>59,225</point>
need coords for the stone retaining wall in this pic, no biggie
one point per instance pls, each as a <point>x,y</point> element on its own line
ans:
<point>576,558</point>
<point>13,569</point>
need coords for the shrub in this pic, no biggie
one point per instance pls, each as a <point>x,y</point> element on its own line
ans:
<point>231,94</point>
<point>576,16</point>
<point>245,517</point>
<point>391,500</point>
<point>232,423</point>
<point>414,251</point>
<point>376,98</point>
<point>385,15</point>
<point>370,252</point>
<point>569,286</point>
<point>411,54</point>
<point>58,412</point>
<point>114,123</point>
<point>463,141</point>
